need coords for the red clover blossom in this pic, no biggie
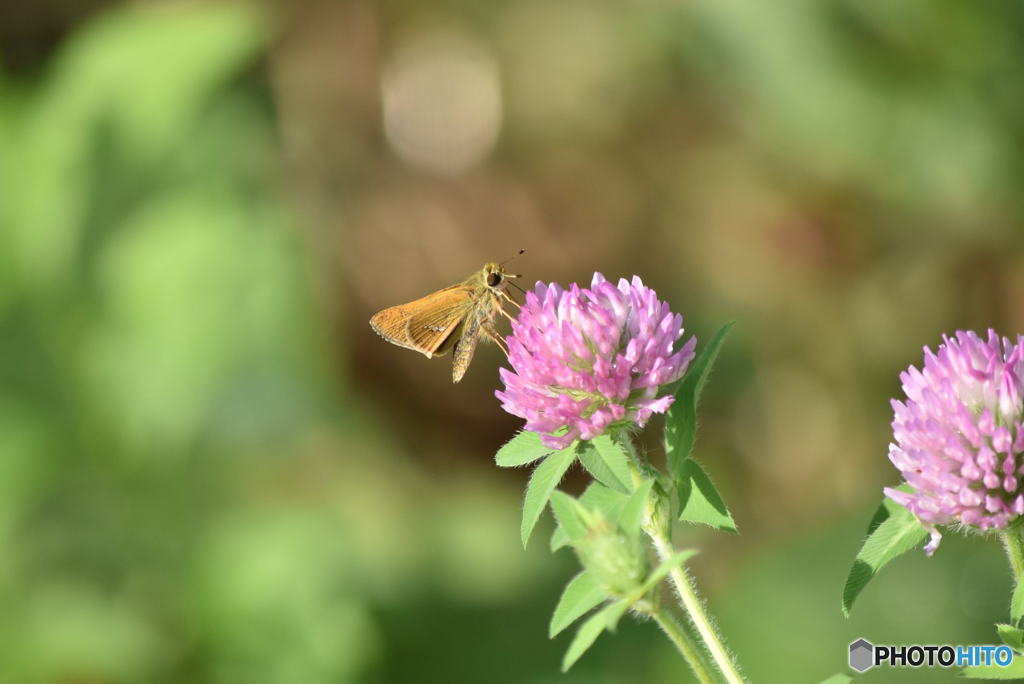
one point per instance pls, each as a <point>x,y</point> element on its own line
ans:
<point>587,359</point>
<point>959,435</point>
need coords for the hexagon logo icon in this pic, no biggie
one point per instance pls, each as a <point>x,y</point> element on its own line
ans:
<point>862,654</point>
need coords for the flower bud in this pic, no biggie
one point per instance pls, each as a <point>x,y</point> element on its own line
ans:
<point>610,556</point>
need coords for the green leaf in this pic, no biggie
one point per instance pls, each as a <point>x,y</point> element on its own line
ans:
<point>592,461</point>
<point>1011,636</point>
<point>631,518</point>
<point>898,532</point>
<point>1017,603</point>
<point>699,501</point>
<point>570,515</point>
<point>595,497</point>
<point>587,635</point>
<point>838,679</point>
<point>608,463</point>
<point>1015,670</point>
<point>545,478</point>
<point>886,509</point>
<point>524,448</point>
<point>615,613</point>
<point>580,596</point>
<point>681,420</point>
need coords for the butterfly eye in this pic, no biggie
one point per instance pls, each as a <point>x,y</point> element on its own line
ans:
<point>493,279</point>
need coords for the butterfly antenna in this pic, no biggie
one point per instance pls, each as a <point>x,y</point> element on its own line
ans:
<point>517,254</point>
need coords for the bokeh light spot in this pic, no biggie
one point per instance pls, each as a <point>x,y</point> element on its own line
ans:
<point>442,103</point>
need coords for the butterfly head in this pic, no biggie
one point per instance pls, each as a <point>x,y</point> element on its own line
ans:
<point>494,276</point>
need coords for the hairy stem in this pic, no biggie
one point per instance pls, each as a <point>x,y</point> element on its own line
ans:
<point>682,641</point>
<point>693,607</point>
<point>658,526</point>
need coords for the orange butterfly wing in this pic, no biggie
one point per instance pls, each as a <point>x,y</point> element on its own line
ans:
<point>430,325</point>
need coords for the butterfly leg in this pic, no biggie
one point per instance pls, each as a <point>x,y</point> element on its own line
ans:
<point>505,295</point>
<point>504,313</point>
<point>493,333</point>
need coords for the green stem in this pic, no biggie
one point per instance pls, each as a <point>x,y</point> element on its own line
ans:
<point>657,528</point>
<point>693,607</point>
<point>678,636</point>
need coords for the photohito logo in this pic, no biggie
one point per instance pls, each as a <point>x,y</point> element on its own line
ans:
<point>864,655</point>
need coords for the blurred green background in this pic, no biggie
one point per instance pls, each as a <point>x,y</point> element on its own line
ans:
<point>211,470</point>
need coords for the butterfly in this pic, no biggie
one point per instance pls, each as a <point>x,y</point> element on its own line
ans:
<point>451,319</point>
